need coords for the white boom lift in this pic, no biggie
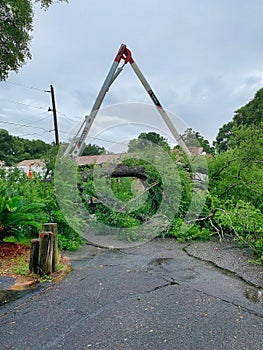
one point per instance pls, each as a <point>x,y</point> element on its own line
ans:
<point>77,143</point>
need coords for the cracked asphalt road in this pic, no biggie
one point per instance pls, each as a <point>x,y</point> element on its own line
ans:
<point>160,295</point>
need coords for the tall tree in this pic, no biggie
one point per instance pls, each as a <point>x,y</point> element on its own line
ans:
<point>237,174</point>
<point>13,149</point>
<point>16,17</point>
<point>6,147</point>
<point>90,150</point>
<point>250,114</point>
<point>194,138</point>
<point>144,139</point>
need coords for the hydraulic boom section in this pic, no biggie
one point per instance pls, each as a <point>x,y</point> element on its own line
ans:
<point>123,56</point>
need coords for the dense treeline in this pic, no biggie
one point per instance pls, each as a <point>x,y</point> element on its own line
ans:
<point>13,149</point>
<point>250,115</point>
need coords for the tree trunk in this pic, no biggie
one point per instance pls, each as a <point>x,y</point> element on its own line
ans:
<point>117,171</point>
<point>34,253</point>
<point>52,227</point>
<point>45,253</point>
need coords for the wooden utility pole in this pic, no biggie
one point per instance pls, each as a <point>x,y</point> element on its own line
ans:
<point>54,114</point>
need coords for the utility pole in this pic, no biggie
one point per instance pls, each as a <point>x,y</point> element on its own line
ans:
<point>54,114</point>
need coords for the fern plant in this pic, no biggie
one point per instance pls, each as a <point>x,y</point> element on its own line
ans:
<point>18,216</point>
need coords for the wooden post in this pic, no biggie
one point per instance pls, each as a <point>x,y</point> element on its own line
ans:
<point>45,253</point>
<point>52,227</point>
<point>34,252</point>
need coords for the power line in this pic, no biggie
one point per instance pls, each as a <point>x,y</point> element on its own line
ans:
<point>96,138</point>
<point>33,133</point>
<point>40,120</point>
<point>67,117</point>
<point>24,104</point>
<point>35,116</point>
<point>23,125</point>
<point>25,86</point>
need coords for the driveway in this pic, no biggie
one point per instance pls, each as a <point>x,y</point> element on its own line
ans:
<point>159,295</point>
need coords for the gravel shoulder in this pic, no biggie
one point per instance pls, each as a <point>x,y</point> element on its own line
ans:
<point>230,256</point>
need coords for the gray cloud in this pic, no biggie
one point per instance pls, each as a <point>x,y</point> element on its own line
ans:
<point>204,60</point>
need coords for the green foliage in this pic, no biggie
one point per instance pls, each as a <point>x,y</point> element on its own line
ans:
<point>70,241</point>
<point>22,270</point>
<point>222,138</point>
<point>46,279</point>
<point>236,180</point>
<point>16,17</point>
<point>46,3</point>
<point>243,221</point>
<point>147,140</point>
<point>28,203</point>
<point>252,112</point>
<point>114,218</point>
<point>183,232</point>
<point>237,174</point>
<point>15,26</point>
<point>249,115</point>
<point>131,203</point>
<point>90,150</point>
<point>194,138</point>
<point>14,149</point>
<point>18,215</point>
<point>70,210</point>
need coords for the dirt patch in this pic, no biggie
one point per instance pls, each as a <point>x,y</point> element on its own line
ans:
<point>14,259</point>
<point>9,250</point>
<point>14,262</point>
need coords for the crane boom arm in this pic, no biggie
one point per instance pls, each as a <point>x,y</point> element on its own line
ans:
<point>124,54</point>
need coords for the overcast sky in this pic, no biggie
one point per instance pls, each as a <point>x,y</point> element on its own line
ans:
<point>203,59</point>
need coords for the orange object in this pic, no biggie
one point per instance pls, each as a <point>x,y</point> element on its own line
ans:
<point>30,174</point>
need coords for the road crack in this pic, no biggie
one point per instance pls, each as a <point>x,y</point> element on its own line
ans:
<point>231,273</point>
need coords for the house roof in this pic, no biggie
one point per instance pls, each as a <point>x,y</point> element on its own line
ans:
<point>100,159</point>
<point>32,162</point>
<point>196,151</point>
<point>97,159</point>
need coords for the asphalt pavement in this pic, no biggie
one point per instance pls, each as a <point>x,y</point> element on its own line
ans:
<point>159,295</point>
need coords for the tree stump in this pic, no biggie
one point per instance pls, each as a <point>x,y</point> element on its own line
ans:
<point>34,252</point>
<point>52,227</point>
<point>45,253</point>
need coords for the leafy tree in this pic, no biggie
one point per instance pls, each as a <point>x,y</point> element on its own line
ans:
<point>193,138</point>
<point>46,3</point>
<point>250,114</point>
<point>236,187</point>
<point>145,139</point>
<point>222,139</point>
<point>13,149</point>
<point>237,173</point>
<point>90,150</point>
<point>5,146</point>
<point>16,17</point>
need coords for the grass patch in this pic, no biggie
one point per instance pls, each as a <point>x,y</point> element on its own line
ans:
<point>18,265</point>
<point>24,240</point>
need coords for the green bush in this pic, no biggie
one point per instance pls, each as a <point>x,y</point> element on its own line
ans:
<point>18,215</point>
<point>183,232</point>
<point>25,204</point>
<point>243,221</point>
